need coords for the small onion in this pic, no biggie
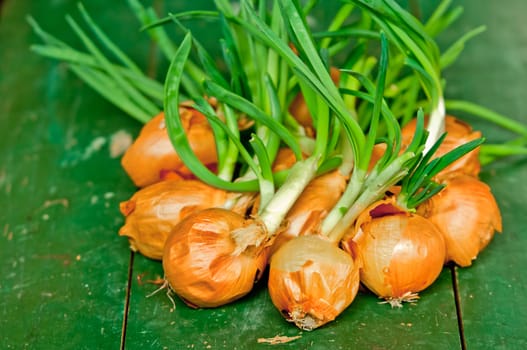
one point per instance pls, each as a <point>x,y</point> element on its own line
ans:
<point>313,205</point>
<point>203,264</point>
<point>467,214</point>
<point>285,159</point>
<point>300,111</point>
<point>458,133</point>
<point>312,281</point>
<point>376,154</point>
<point>153,211</point>
<point>152,156</point>
<point>402,253</point>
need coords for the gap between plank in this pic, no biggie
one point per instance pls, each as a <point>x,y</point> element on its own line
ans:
<point>151,72</point>
<point>457,299</point>
<point>127,299</point>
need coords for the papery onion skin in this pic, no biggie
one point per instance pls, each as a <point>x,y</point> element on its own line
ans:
<point>458,133</point>
<point>376,154</point>
<point>312,281</point>
<point>402,253</point>
<point>152,212</point>
<point>200,260</point>
<point>152,157</point>
<point>313,205</point>
<point>467,214</point>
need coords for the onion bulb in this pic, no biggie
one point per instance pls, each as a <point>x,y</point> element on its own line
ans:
<point>467,214</point>
<point>203,264</point>
<point>402,253</point>
<point>458,133</point>
<point>312,281</point>
<point>285,159</point>
<point>313,205</point>
<point>152,157</point>
<point>153,211</point>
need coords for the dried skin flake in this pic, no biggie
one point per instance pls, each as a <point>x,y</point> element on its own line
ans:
<point>120,142</point>
<point>279,339</point>
<point>52,202</point>
<point>95,146</point>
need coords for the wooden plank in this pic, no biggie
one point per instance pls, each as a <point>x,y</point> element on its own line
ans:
<point>75,286</point>
<point>64,268</point>
<point>154,324</point>
<point>492,72</point>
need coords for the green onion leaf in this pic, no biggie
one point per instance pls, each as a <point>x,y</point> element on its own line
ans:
<point>175,129</point>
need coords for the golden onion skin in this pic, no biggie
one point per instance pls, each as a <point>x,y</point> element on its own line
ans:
<point>458,133</point>
<point>152,157</point>
<point>402,253</point>
<point>312,281</point>
<point>202,263</point>
<point>153,211</point>
<point>467,215</point>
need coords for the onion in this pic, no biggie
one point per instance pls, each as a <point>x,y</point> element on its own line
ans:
<point>458,133</point>
<point>285,159</point>
<point>153,211</point>
<point>311,281</point>
<point>313,205</point>
<point>300,111</point>
<point>402,253</point>
<point>152,156</point>
<point>467,215</point>
<point>376,154</point>
<point>202,262</point>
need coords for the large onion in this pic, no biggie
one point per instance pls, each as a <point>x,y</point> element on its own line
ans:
<point>311,281</point>
<point>468,216</point>
<point>402,253</point>
<point>152,156</point>
<point>153,211</point>
<point>202,262</point>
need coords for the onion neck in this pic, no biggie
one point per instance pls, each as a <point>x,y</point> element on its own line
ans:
<point>285,197</point>
<point>373,189</point>
<point>436,124</point>
<point>266,224</point>
<point>346,200</point>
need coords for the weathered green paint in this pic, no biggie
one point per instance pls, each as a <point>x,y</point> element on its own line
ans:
<point>64,269</point>
<point>493,71</point>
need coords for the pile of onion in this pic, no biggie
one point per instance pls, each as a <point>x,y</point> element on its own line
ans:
<point>329,191</point>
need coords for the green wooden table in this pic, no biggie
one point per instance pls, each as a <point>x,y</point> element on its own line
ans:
<point>69,281</point>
